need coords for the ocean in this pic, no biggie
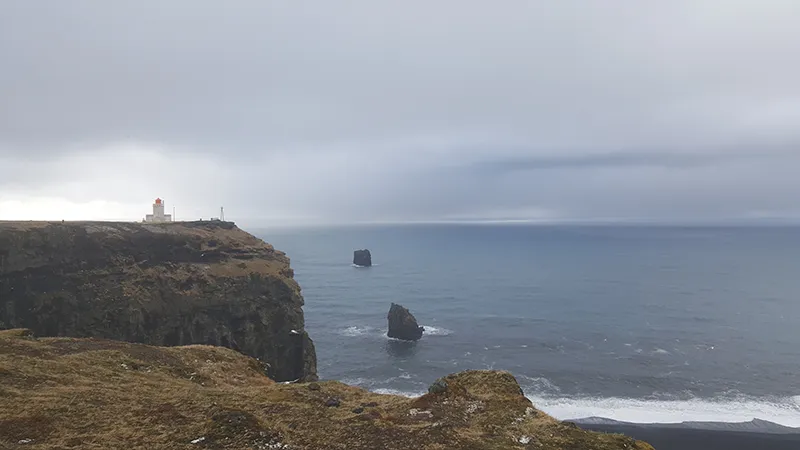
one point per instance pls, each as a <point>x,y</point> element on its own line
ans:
<point>645,324</point>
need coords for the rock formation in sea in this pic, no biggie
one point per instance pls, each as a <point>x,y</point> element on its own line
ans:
<point>403,325</point>
<point>160,284</point>
<point>97,393</point>
<point>362,258</point>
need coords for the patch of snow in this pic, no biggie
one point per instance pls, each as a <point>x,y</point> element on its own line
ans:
<point>24,441</point>
<point>125,366</point>
<point>198,440</point>
<point>294,332</point>
<point>524,439</point>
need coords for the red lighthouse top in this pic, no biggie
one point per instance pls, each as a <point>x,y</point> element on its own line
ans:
<point>158,201</point>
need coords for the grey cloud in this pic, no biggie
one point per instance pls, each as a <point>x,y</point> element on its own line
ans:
<point>635,159</point>
<point>600,161</point>
<point>364,110</point>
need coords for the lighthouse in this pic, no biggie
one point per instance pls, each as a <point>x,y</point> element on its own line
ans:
<point>158,213</point>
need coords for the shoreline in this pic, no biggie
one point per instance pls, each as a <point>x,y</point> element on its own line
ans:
<point>686,437</point>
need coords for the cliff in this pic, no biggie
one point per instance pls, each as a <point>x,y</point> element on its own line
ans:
<point>97,394</point>
<point>161,284</point>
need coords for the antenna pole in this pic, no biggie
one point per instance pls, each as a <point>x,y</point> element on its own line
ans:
<point>221,214</point>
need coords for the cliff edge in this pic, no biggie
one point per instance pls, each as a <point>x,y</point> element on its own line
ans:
<point>98,394</point>
<point>164,284</point>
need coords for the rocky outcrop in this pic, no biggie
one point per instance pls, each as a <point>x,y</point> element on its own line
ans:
<point>96,393</point>
<point>403,325</point>
<point>362,258</point>
<point>161,284</point>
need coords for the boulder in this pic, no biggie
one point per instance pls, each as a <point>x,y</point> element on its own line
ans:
<point>403,325</point>
<point>362,258</point>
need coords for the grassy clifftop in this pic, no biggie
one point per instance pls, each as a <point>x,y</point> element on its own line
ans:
<point>99,394</point>
<point>169,284</point>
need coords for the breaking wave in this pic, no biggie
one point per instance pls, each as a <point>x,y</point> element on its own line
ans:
<point>538,384</point>
<point>781,411</point>
<point>356,330</point>
<point>398,392</point>
<point>435,331</point>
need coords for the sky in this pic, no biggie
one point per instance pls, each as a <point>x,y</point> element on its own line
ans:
<point>320,112</point>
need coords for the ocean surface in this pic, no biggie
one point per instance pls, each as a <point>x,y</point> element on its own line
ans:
<point>638,324</point>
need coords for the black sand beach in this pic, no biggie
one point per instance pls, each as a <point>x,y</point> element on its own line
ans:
<point>677,438</point>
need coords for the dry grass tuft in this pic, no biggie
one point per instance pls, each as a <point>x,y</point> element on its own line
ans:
<point>64,393</point>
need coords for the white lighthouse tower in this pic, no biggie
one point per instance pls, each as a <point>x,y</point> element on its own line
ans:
<point>158,213</point>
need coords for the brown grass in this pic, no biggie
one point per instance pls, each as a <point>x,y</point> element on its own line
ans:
<point>63,393</point>
<point>242,253</point>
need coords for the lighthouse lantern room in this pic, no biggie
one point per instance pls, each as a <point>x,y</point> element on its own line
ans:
<point>158,213</point>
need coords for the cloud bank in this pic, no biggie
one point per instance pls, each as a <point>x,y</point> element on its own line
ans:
<point>337,112</point>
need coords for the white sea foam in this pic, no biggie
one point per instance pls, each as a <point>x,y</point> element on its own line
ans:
<point>397,392</point>
<point>538,384</point>
<point>361,382</point>
<point>782,411</point>
<point>382,332</point>
<point>436,331</point>
<point>369,383</point>
<point>356,331</point>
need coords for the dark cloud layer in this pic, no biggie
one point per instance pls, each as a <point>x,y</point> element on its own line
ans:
<point>313,111</point>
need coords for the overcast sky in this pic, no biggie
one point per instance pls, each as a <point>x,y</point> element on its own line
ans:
<point>351,111</point>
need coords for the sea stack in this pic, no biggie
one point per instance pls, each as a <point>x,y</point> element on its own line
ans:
<point>403,325</point>
<point>362,258</point>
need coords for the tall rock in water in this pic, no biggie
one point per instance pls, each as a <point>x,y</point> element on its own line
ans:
<point>160,284</point>
<point>403,325</point>
<point>362,258</point>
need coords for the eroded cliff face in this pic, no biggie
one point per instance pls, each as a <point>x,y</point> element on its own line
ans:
<point>160,284</point>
